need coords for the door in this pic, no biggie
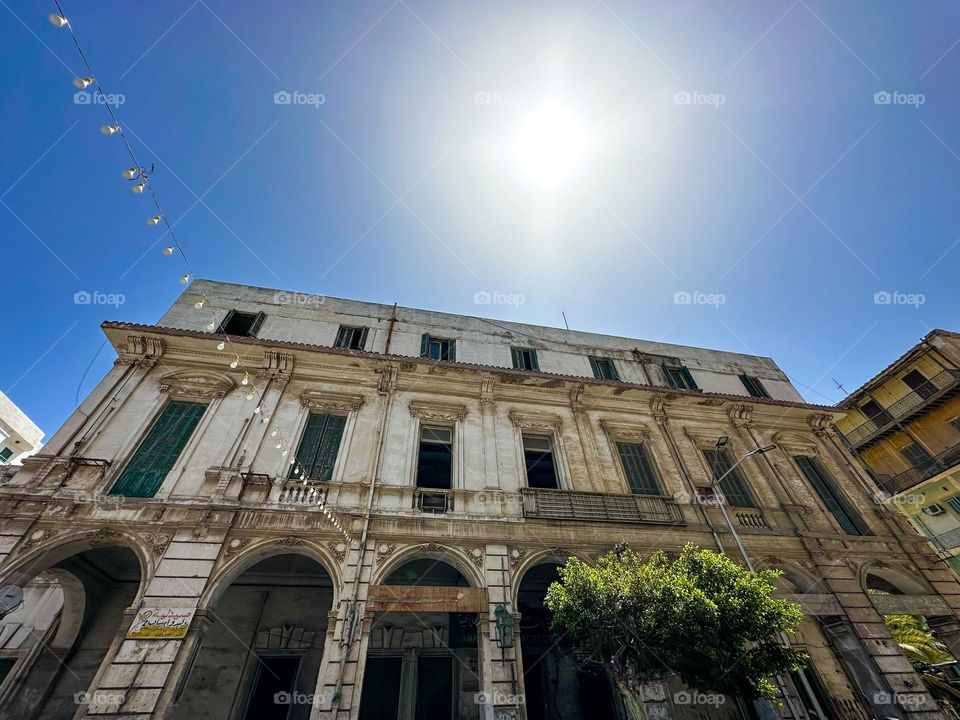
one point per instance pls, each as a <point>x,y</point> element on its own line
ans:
<point>878,414</point>
<point>434,688</point>
<point>919,383</point>
<point>270,698</point>
<point>380,699</point>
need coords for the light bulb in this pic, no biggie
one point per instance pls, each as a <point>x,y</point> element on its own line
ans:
<point>109,129</point>
<point>274,433</point>
<point>58,21</point>
<point>83,83</point>
<point>155,220</point>
<point>284,453</point>
<point>168,250</point>
<point>257,409</point>
<point>246,379</point>
<point>185,279</point>
<point>139,187</point>
<point>235,362</point>
<point>279,445</point>
<point>296,471</point>
<point>220,345</point>
<point>130,174</point>
<point>250,395</point>
<point>199,304</point>
<point>293,460</point>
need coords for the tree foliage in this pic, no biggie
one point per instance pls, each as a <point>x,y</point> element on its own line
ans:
<point>700,617</point>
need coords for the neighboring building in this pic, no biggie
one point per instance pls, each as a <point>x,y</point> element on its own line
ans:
<point>19,435</point>
<point>904,424</point>
<point>201,576</point>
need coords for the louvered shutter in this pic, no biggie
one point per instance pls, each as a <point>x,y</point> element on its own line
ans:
<point>534,365</point>
<point>451,350</point>
<point>425,345</point>
<point>363,339</point>
<point>159,450</point>
<point>319,445</point>
<point>516,357</point>
<point>255,325</point>
<point>834,501</point>
<point>734,485</point>
<point>595,368</point>
<point>638,468</point>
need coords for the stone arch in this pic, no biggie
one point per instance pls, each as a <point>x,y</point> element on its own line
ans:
<point>236,566</point>
<point>454,557</point>
<point>558,556</point>
<point>795,579</point>
<point>22,568</point>
<point>903,580</point>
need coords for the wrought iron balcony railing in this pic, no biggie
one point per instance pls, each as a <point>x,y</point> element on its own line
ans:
<point>915,475</point>
<point>599,507</point>
<point>930,393</point>
<point>948,540</point>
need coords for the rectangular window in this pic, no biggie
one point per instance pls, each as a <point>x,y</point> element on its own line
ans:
<point>524,358</point>
<point>6,454</point>
<point>679,377</point>
<point>875,412</point>
<point>435,458</point>
<point>954,504</point>
<point>919,383</point>
<point>638,467</point>
<point>603,368</point>
<point>351,338</point>
<point>438,348</point>
<point>955,423</point>
<point>831,495</point>
<point>241,324</point>
<point>159,450</point>
<point>319,446</point>
<point>754,386</point>
<point>538,460</point>
<point>915,455</point>
<point>734,485</point>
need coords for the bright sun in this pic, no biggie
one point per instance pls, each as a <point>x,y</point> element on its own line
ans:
<point>549,145</point>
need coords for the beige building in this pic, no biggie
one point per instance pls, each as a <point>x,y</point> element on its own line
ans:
<point>337,509</point>
<point>904,424</point>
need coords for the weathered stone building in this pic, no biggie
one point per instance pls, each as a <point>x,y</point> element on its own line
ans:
<point>176,564</point>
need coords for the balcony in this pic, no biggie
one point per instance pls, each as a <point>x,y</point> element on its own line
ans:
<point>948,540</point>
<point>946,460</point>
<point>930,394</point>
<point>599,507</point>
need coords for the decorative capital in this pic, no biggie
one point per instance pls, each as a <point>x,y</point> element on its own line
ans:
<point>658,406</point>
<point>821,423</point>
<point>141,351</point>
<point>741,415</point>
<point>486,391</point>
<point>576,398</point>
<point>276,364</point>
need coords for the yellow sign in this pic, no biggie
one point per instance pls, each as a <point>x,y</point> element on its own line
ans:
<point>161,623</point>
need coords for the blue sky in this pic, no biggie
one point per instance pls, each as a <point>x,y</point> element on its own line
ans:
<point>735,152</point>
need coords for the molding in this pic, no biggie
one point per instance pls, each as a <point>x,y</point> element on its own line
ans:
<point>634,432</point>
<point>437,412</point>
<point>276,365</point>
<point>338,549</point>
<point>331,402</point>
<point>196,384</point>
<point>476,554</point>
<point>821,423</point>
<point>741,415</point>
<point>141,351</point>
<point>536,421</point>
<point>794,443</point>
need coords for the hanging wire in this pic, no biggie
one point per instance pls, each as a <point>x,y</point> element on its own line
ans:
<point>216,327</point>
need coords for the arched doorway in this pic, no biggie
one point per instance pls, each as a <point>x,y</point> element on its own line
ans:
<point>557,685</point>
<point>422,655</point>
<point>259,659</point>
<point>54,644</point>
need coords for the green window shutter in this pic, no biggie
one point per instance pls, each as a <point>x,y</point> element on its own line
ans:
<point>638,468</point>
<point>317,452</point>
<point>595,368</point>
<point>425,345</point>
<point>830,495</point>
<point>734,485</point>
<point>516,358</point>
<point>363,339</point>
<point>225,322</point>
<point>688,378</point>
<point>255,326</point>
<point>534,364</point>
<point>452,351</point>
<point>159,450</point>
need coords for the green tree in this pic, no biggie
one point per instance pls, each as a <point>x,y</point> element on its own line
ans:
<point>701,617</point>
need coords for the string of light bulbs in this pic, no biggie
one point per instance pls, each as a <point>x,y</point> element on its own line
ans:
<point>140,176</point>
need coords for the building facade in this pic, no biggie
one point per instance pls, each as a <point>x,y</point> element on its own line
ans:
<point>284,505</point>
<point>19,435</point>
<point>904,424</point>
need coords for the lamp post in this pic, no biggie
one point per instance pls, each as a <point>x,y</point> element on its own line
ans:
<point>721,443</point>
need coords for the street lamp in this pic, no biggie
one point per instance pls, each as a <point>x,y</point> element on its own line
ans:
<point>722,443</point>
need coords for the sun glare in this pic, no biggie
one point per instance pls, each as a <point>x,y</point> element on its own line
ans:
<point>549,144</point>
